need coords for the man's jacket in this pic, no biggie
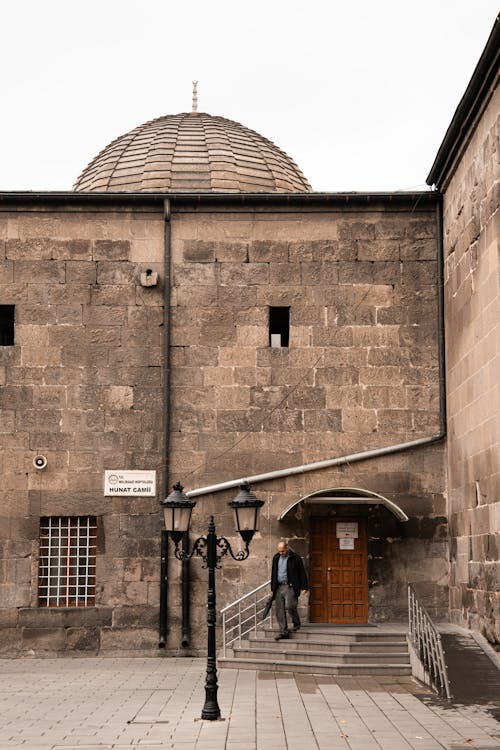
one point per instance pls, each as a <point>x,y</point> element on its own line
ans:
<point>295,572</point>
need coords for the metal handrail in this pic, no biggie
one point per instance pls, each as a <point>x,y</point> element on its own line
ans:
<point>427,644</point>
<point>244,615</point>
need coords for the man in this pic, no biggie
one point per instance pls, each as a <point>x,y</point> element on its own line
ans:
<point>288,581</point>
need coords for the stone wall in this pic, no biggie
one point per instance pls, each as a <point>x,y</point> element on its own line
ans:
<point>81,385</point>
<point>471,227</point>
<point>361,372</point>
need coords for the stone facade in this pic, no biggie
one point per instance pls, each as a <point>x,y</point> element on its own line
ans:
<point>83,386</point>
<point>471,224</point>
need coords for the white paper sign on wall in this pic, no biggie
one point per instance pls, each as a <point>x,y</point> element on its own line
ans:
<point>133,483</point>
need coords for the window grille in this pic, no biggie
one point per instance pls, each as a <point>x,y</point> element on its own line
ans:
<point>67,562</point>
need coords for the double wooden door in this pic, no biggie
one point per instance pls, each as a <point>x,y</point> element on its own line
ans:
<point>338,571</point>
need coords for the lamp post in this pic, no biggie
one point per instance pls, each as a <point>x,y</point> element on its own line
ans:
<point>177,509</point>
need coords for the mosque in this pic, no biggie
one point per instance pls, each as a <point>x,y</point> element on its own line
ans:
<point>192,311</point>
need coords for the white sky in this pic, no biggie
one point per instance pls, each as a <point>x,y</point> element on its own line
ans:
<point>359,93</point>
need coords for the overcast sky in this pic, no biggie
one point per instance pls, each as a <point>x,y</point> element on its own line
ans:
<point>358,93</point>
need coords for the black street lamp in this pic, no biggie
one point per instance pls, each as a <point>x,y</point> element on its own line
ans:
<point>177,508</point>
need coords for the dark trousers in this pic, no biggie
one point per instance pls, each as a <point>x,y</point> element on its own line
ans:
<point>286,601</point>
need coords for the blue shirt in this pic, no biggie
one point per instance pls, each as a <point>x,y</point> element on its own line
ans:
<point>282,569</point>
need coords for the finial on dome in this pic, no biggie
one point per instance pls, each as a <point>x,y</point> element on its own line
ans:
<point>195,97</point>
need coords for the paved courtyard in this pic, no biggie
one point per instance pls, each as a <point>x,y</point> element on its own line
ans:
<point>100,703</point>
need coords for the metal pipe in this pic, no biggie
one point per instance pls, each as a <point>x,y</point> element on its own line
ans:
<point>185,592</point>
<point>163,590</point>
<point>440,302</point>
<point>303,468</point>
<point>163,625</point>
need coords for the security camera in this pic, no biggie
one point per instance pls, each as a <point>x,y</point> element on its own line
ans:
<point>39,462</point>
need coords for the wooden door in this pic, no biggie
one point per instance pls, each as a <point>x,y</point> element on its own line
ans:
<point>339,575</point>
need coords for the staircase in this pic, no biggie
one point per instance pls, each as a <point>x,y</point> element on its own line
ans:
<point>323,649</point>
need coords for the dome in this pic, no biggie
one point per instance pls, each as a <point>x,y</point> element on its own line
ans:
<point>192,152</point>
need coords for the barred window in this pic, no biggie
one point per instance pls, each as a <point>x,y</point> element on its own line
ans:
<point>67,561</point>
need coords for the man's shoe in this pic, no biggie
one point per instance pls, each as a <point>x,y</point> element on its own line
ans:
<point>296,627</point>
<point>280,636</point>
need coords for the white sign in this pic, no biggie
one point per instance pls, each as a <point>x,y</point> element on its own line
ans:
<point>347,529</point>
<point>346,543</point>
<point>130,483</point>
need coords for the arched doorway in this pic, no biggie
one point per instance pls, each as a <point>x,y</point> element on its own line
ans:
<point>338,552</point>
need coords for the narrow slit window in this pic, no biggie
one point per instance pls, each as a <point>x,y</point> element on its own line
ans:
<point>279,326</point>
<point>67,566</point>
<point>7,325</point>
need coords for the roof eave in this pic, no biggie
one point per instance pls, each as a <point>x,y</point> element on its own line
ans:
<point>477,92</point>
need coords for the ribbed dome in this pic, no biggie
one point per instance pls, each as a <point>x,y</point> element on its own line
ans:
<point>192,152</point>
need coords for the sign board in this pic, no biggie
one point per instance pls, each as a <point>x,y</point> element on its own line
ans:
<point>130,483</point>
<point>347,529</point>
<point>346,543</point>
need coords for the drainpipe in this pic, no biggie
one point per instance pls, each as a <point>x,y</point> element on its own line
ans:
<point>163,625</point>
<point>365,455</point>
<point>440,301</point>
<point>186,590</point>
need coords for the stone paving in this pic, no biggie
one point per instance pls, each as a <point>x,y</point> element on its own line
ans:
<point>103,703</point>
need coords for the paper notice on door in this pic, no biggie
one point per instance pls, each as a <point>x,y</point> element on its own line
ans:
<point>347,529</point>
<point>346,543</point>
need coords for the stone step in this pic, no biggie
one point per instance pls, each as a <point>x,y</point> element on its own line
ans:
<point>340,635</point>
<point>296,642</point>
<point>276,665</point>
<point>324,657</point>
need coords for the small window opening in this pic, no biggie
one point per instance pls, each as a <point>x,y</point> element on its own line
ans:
<point>7,325</point>
<point>279,326</point>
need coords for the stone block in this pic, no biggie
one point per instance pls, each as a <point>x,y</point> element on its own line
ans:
<point>248,274</point>
<point>118,398</point>
<point>69,315</point>
<point>81,272</point>
<point>38,419</point>
<point>111,250</point>
<point>268,252</point>
<point>69,294</point>
<point>136,616</point>
<point>379,250</point>
<point>86,640</point>
<point>61,617</point>
<point>116,296</point>
<point>323,420</point>
<point>356,230</point>
<point>40,272</point>
<point>6,272</point>
<point>284,274</point>
<point>416,250</point>
<point>115,273</point>
<point>421,228</point>
<point>43,639</point>
<point>337,376</point>
<point>390,229</point>
<point>16,397</point>
<point>418,273</point>
<point>320,273</point>
<point>129,639</point>
<point>199,251</point>
<point>104,315</point>
<point>370,272</point>
<point>10,642</point>
<point>194,274</point>
<point>384,397</point>
<point>359,420</point>
<point>231,252</point>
